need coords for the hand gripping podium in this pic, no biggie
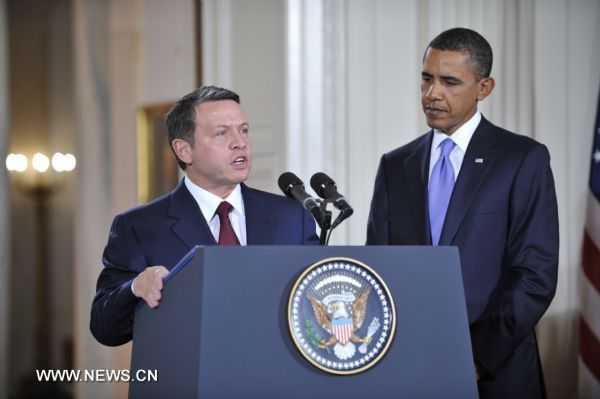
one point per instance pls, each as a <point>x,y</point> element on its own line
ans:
<point>221,330</point>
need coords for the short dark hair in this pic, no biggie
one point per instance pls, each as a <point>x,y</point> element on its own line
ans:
<point>181,119</point>
<point>478,50</point>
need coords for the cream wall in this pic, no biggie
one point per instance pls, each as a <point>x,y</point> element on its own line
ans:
<point>244,50</point>
<point>352,93</point>
<point>128,54</point>
<point>327,85</point>
<point>331,85</point>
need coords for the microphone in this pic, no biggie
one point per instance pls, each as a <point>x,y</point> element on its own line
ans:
<point>325,187</point>
<point>293,188</point>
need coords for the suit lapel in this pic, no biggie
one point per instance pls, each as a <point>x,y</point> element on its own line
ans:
<point>416,168</point>
<point>470,177</point>
<point>191,227</point>
<point>260,222</point>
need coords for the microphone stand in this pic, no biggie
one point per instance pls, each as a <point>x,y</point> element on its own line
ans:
<point>325,222</point>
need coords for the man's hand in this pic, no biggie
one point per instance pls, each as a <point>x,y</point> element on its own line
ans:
<point>149,284</point>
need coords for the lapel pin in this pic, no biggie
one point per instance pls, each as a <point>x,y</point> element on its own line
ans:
<point>478,160</point>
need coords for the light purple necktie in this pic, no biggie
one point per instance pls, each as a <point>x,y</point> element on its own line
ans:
<point>441,184</point>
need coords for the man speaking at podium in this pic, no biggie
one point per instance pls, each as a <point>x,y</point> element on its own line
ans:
<point>487,191</point>
<point>210,137</point>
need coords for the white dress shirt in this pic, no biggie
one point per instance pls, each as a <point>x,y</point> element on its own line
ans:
<point>208,203</point>
<point>461,137</point>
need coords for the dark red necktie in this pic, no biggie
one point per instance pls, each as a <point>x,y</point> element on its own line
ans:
<point>226,234</point>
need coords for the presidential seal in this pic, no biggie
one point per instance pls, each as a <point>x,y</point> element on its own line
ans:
<point>341,316</point>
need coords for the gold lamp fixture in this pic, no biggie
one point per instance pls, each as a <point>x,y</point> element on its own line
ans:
<point>39,178</point>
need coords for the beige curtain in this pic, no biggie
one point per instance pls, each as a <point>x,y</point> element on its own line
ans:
<point>566,79</point>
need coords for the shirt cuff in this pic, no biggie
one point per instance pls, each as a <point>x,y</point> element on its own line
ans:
<point>132,284</point>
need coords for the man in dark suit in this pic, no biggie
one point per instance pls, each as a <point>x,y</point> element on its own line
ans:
<point>209,135</point>
<point>487,191</point>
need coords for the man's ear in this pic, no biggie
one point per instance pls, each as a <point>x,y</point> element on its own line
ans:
<point>183,150</point>
<point>486,86</point>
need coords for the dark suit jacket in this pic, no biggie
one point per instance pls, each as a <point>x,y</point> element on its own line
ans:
<point>503,218</point>
<point>161,232</point>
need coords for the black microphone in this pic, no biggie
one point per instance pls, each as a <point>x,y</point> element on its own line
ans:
<point>325,187</point>
<point>293,188</point>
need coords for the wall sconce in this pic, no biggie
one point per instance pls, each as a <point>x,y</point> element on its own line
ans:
<point>37,177</point>
<point>39,181</point>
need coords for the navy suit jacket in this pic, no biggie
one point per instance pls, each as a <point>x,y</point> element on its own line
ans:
<point>503,218</point>
<point>161,232</point>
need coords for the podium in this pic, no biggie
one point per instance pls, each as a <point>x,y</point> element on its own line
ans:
<point>221,330</point>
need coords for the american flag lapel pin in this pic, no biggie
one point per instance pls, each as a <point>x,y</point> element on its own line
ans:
<point>478,160</point>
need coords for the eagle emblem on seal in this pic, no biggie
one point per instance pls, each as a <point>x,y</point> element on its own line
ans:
<point>339,303</point>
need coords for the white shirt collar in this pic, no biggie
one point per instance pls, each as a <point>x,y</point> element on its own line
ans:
<point>208,202</point>
<point>462,136</point>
